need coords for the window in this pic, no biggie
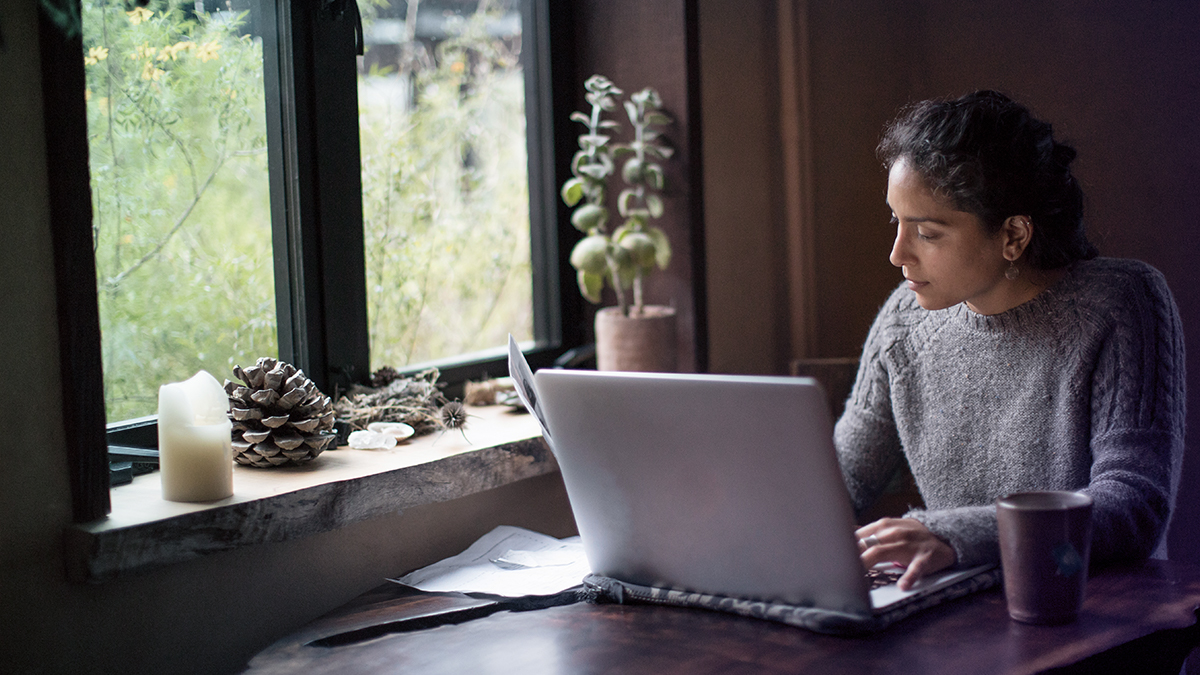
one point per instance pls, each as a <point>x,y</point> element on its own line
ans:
<point>185,191</point>
<point>181,219</point>
<point>317,181</point>
<point>445,187</point>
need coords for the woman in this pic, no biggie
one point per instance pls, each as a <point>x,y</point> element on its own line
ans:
<point>1011,358</point>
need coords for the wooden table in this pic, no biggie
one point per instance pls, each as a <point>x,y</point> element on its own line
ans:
<point>1137,619</point>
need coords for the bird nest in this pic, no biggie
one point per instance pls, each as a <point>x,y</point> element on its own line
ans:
<point>415,401</point>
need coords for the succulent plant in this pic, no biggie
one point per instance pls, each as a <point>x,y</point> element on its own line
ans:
<point>622,258</point>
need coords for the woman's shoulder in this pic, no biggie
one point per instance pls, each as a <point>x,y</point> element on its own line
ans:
<point>1116,283</point>
<point>1117,294</point>
<point>1115,268</point>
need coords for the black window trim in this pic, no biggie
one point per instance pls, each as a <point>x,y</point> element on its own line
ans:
<point>316,193</point>
<point>64,115</point>
<point>316,214</point>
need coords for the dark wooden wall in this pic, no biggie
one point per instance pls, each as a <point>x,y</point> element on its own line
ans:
<point>653,43</point>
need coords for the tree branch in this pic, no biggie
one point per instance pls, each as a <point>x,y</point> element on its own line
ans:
<point>112,283</point>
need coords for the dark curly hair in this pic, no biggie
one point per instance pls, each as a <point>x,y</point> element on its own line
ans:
<point>992,158</point>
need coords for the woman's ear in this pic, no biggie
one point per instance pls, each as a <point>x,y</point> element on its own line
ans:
<point>1017,232</point>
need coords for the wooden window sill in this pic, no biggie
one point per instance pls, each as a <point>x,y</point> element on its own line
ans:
<point>339,488</point>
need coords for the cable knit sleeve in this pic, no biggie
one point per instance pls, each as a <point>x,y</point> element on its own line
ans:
<point>1138,410</point>
<point>866,439</point>
<point>970,530</point>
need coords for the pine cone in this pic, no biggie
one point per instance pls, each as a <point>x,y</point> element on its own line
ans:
<point>279,416</point>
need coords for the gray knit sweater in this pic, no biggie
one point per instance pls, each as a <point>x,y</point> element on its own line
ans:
<point>1080,388</point>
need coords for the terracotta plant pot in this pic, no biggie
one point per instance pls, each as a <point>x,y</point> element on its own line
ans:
<point>639,343</point>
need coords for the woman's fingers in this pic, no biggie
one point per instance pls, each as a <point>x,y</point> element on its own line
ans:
<point>904,541</point>
<point>884,533</point>
<point>915,571</point>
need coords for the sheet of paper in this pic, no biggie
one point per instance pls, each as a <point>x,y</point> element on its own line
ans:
<point>518,370</point>
<point>508,561</point>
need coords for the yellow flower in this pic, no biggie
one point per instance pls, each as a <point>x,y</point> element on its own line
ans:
<point>149,72</point>
<point>170,181</point>
<point>95,55</point>
<point>145,51</point>
<point>208,50</point>
<point>457,67</point>
<point>171,53</point>
<point>139,15</point>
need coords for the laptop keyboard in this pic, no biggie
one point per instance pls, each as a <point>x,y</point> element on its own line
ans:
<point>882,577</point>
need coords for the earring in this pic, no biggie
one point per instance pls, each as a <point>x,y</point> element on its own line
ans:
<point>1013,271</point>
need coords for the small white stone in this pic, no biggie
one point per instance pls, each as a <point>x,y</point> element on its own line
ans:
<point>399,430</point>
<point>371,440</point>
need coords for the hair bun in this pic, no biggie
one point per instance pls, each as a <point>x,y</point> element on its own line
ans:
<point>1063,154</point>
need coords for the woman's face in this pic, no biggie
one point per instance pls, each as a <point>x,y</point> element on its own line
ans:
<point>945,254</point>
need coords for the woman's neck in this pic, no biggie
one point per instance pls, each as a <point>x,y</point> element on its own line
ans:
<point>1024,288</point>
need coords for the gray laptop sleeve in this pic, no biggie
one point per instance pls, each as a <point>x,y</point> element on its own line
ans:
<point>606,589</point>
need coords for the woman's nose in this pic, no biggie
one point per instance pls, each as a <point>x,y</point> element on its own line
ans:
<point>900,254</point>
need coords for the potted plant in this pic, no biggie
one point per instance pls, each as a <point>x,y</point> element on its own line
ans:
<point>632,335</point>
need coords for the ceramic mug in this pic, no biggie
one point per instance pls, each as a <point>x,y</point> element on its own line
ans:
<point>1045,541</point>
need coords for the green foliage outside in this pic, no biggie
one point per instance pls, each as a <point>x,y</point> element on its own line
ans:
<point>182,216</point>
<point>179,184</point>
<point>445,198</point>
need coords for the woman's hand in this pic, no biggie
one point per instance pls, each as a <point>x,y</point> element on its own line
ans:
<point>907,542</point>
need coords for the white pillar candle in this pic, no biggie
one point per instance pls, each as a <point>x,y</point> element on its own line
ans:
<point>195,453</point>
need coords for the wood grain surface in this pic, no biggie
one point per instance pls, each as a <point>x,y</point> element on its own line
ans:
<point>1141,617</point>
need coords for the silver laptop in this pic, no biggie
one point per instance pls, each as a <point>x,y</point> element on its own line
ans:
<point>719,484</point>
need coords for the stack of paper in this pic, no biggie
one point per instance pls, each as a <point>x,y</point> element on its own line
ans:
<point>508,561</point>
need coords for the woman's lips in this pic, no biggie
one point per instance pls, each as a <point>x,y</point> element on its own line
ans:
<point>914,285</point>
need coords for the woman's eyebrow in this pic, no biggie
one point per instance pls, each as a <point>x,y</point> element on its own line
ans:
<point>923,219</point>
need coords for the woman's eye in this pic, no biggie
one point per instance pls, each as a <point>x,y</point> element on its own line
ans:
<point>923,236</point>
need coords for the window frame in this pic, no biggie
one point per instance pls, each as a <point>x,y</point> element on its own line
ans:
<point>316,194</point>
<point>316,206</point>
<point>327,312</point>
<point>68,177</point>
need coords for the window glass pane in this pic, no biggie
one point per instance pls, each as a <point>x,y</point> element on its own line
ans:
<point>445,178</point>
<point>179,184</point>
